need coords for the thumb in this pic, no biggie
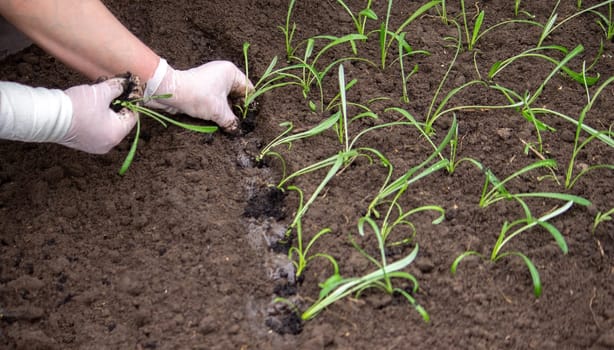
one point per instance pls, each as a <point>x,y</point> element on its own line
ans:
<point>111,89</point>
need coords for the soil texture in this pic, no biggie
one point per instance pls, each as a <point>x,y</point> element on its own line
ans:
<point>188,250</point>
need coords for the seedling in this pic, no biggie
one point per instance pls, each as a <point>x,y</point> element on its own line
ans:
<point>602,217</point>
<point>414,174</point>
<point>520,226</point>
<point>471,39</point>
<point>429,116</point>
<point>606,21</point>
<point>606,136</point>
<point>498,191</point>
<point>498,66</point>
<point>444,12</point>
<point>337,288</point>
<point>516,7</point>
<point>288,31</point>
<point>387,37</point>
<point>360,19</point>
<point>550,27</point>
<point>300,251</point>
<point>527,100</point>
<point>406,50</point>
<point>135,106</point>
<point>286,138</point>
<point>272,78</point>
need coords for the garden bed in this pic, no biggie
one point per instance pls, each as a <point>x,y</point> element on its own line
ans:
<point>189,248</point>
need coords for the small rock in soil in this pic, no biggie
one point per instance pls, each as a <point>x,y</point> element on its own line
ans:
<point>504,133</point>
<point>425,265</point>
<point>568,136</point>
<point>129,284</point>
<point>207,325</point>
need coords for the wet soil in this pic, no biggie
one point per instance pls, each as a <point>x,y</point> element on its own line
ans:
<point>182,253</point>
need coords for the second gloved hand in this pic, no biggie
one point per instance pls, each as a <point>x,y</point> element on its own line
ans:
<point>200,92</point>
<point>95,127</point>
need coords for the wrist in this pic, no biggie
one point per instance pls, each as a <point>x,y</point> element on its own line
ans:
<point>155,81</point>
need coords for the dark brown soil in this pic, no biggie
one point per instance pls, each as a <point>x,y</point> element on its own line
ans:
<point>172,255</point>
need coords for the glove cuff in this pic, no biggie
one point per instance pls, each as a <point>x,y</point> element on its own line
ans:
<point>153,83</point>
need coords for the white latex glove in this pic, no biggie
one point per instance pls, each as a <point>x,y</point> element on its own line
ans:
<point>95,127</point>
<point>79,117</point>
<point>200,92</point>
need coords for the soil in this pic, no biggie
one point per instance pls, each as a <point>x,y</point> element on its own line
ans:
<point>183,251</point>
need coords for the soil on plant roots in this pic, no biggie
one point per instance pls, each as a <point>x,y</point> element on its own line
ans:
<point>180,252</point>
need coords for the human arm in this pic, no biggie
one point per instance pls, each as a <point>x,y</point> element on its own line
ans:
<point>78,117</point>
<point>83,34</point>
<point>86,36</point>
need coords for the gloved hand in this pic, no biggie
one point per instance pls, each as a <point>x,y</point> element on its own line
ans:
<point>200,92</point>
<point>96,128</point>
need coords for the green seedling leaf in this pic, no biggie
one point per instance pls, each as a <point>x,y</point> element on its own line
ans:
<point>330,284</point>
<point>420,309</point>
<point>132,151</point>
<point>556,234</point>
<point>476,29</point>
<point>353,285</point>
<point>561,196</point>
<point>461,257</point>
<point>368,13</point>
<point>537,284</point>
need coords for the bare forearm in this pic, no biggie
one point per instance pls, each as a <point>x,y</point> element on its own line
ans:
<point>83,34</point>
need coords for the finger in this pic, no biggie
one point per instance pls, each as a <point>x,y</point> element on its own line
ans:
<point>228,120</point>
<point>112,88</point>
<point>124,121</point>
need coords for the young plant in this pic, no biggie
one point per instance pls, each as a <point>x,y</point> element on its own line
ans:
<point>516,7</point>
<point>471,39</point>
<point>360,19</point>
<point>309,71</point>
<point>515,228</point>
<point>602,217</point>
<point>337,288</point>
<point>388,37</point>
<point>286,138</point>
<point>607,135</point>
<point>498,191</point>
<point>550,27</point>
<point>444,12</point>
<point>135,106</point>
<point>414,174</point>
<point>273,78</point>
<point>301,251</point>
<point>606,21</point>
<point>288,31</point>
<point>477,34</point>
<point>561,65</point>
<point>527,100</point>
<point>406,50</point>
